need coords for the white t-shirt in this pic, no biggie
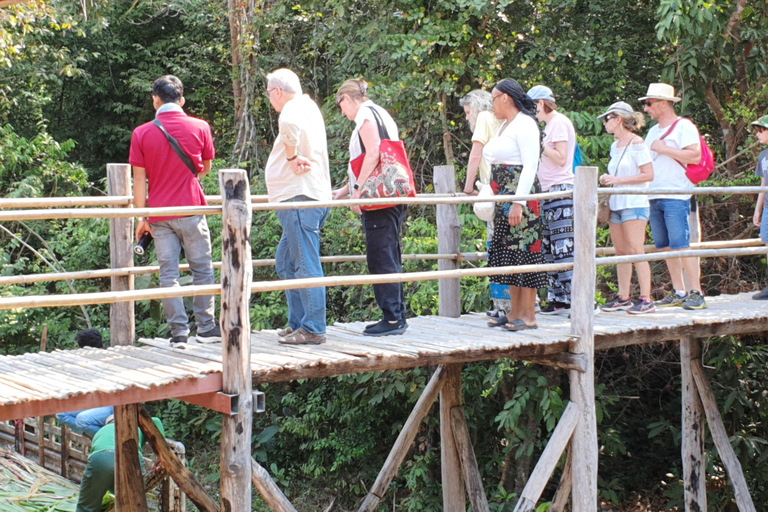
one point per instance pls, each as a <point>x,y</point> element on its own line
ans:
<point>668,173</point>
<point>636,155</point>
<point>363,114</point>
<point>486,127</point>
<point>517,144</point>
<point>301,124</point>
<point>558,129</point>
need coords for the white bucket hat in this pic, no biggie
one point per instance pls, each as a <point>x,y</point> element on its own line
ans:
<point>620,107</point>
<point>660,92</point>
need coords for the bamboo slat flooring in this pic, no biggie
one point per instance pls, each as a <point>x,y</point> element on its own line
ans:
<point>428,341</point>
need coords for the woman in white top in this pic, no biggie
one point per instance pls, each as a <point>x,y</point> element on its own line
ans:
<point>382,227</point>
<point>630,166</point>
<point>556,175</point>
<point>514,158</point>
<point>484,125</point>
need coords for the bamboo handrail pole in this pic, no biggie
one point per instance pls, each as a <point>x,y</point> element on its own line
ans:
<point>52,202</point>
<point>408,277</point>
<point>698,191</point>
<point>650,248</point>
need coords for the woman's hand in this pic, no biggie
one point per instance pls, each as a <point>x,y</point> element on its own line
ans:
<point>341,193</point>
<point>469,188</point>
<point>607,179</point>
<point>515,214</point>
<point>757,218</point>
<point>356,195</point>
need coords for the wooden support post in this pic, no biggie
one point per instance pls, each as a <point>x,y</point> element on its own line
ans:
<point>448,240</point>
<point>564,489</point>
<point>269,489</point>
<point>584,442</point>
<point>236,277</point>
<point>180,474</point>
<point>404,441</point>
<point>454,499</point>
<point>64,451</point>
<point>694,462</point>
<point>129,484</point>
<point>472,479</point>
<point>720,437</point>
<point>41,441</point>
<point>549,459</point>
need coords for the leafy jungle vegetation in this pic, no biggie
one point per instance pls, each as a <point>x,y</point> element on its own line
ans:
<point>75,80</point>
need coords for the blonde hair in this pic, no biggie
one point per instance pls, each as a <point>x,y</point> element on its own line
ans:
<point>634,122</point>
<point>355,88</point>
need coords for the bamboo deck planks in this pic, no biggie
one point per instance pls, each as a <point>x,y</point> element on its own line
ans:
<point>429,340</point>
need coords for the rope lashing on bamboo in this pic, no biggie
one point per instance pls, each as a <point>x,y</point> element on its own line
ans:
<point>329,281</point>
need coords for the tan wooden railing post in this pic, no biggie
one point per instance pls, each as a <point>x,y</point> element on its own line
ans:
<point>236,276</point>
<point>448,240</point>
<point>584,442</point>
<point>129,483</point>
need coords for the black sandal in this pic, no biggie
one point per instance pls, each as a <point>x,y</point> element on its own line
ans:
<point>498,322</point>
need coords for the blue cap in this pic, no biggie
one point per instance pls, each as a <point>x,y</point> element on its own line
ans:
<point>541,92</point>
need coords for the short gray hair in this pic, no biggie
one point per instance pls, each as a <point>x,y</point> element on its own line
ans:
<point>478,101</point>
<point>284,79</point>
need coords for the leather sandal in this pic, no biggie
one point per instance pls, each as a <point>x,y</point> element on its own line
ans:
<point>285,331</point>
<point>518,324</point>
<point>498,322</point>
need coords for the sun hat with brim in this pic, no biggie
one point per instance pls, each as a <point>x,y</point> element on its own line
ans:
<point>619,107</point>
<point>660,92</point>
<point>762,122</point>
<point>541,92</point>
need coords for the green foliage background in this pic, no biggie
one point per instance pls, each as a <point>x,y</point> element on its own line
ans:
<point>75,81</point>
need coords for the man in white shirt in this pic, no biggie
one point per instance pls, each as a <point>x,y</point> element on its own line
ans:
<point>674,143</point>
<point>298,170</point>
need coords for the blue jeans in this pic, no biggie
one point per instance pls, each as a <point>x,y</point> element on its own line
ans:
<point>382,238</point>
<point>190,233</point>
<point>298,257</point>
<point>669,223</point>
<point>88,421</point>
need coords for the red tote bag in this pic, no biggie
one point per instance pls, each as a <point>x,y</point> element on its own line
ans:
<point>392,177</point>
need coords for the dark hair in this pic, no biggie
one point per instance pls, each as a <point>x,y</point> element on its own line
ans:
<point>523,102</point>
<point>168,88</point>
<point>89,338</point>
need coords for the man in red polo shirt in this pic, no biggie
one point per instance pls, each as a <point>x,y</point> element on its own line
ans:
<point>161,178</point>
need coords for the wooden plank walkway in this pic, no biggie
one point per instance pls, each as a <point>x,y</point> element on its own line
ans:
<point>35,384</point>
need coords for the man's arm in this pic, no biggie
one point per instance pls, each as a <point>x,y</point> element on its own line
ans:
<point>688,155</point>
<point>140,197</point>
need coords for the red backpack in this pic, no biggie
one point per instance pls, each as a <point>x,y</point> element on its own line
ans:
<point>701,171</point>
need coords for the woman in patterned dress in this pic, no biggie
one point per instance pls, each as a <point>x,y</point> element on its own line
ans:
<point>514,159</point>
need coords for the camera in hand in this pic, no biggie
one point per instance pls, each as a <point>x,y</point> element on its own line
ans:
<point>144,242</point>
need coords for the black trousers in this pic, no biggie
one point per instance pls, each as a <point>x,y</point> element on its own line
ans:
<point>382,237</point>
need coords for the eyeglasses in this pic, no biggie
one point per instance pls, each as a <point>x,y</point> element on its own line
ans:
<point>493,98</point>
<point>338,103</point>
<point>269,91</point>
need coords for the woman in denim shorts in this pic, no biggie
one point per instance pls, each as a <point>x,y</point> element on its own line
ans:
<point>630,166</point>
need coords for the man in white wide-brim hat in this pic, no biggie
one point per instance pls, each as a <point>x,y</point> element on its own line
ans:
<point>674,143</point>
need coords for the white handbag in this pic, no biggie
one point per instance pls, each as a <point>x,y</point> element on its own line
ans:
<point>484,210</point>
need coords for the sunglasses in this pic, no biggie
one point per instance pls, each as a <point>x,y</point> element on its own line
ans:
<point>609,117</point>
<point>650,103</point>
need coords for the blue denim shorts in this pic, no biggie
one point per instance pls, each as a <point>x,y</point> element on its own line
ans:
<point>626,214</point>
<point>764,227</point>
<point>669,223</point>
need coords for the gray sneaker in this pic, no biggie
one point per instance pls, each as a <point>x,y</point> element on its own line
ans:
<point>695,300</point>
<point>671,299</point>
<point>763,295</point>
<point>642,307</point>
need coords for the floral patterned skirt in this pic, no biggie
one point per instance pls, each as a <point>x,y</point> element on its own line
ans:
<point>521,244</point>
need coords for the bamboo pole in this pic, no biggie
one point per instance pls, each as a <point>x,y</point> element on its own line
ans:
<point>454,499</point>
<point>720,437</point>
<point>176,470</point>
<point>584,443</point>
<point>694,457</point>
<point>564,488</point>
<point>549,459</point>
<point>472,479</point>
<point>269,489</point>
<point>404,440</point>
<point>129,484</point>
<point>236,275</point>
<point>448,241</point>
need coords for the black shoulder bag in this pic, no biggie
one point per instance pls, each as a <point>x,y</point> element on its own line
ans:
<point>177,148</point>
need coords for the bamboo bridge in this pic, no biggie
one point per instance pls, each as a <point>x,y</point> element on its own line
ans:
<point>222,376</point>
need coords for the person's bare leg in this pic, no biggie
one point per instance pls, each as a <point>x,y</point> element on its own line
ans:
<point>514,307</point>
<point>634,231</point>
<point>526,309</point>
<point>623,270</point>
<point>693,271</point>
<point>675,267</point>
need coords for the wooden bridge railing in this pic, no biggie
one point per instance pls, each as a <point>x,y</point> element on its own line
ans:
<point>237,207</point>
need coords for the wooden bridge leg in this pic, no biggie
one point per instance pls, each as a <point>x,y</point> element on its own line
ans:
<point>404,441</point>
<point>472,479</point>
<point>236,276</point>
<point>454,499</point>
<point>722,442</point>
<point>129,484</point>
<point>269,489</point>
<point>448,241</point>
<point>694,463</point>
<point>584,442</point>
<point>564,489</point>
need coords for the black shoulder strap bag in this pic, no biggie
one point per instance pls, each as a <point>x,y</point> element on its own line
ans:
<point>177,148</point>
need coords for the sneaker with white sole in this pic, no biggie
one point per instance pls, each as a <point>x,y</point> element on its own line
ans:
<point>179,341</point>
<point>643,306</point>
<point>695,300</point>
<point>617,304</point>
<point>555,308</point>
<point>671,299</point>
<point>211,336</point>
